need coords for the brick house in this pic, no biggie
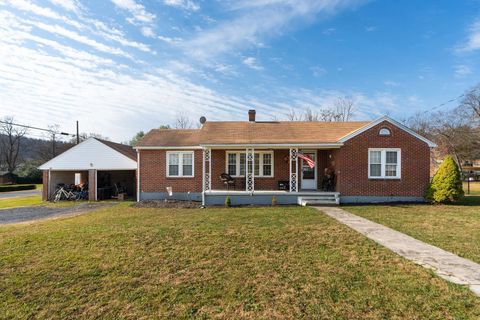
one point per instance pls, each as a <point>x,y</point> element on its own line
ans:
<point>353,162</point>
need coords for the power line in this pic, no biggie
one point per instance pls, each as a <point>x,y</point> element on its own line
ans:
<point>445,103</point>
<point>37,128</point>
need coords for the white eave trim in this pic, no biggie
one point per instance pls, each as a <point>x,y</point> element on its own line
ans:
<point>168,148</point>
<point>275,145</point>
<point>390,120</point>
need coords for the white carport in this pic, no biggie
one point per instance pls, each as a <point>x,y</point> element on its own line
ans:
<point>102,164</point>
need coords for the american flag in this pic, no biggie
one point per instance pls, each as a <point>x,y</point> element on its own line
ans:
<point>307,159</point>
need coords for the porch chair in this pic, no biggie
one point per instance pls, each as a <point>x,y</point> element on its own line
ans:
<point>227,180</point>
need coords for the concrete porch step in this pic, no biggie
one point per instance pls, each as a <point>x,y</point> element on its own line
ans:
<point>330,198</point>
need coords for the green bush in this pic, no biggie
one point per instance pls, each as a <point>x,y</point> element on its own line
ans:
<point>274,201</point>
<point>228,203</point>
<point>446,185</point>
<point>7,188</point>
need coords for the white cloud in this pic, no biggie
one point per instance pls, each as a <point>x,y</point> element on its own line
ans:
<point>370,28</point>
<point>318,71</point>
<point>183,4</point>
<point>148,32</point>
<point>328,31</point>
<point>462,70</point>
<point>138,12</point>
<point>252,63</point>
<point>257,20</point>
<point>58,30</point>
<point>472,42</point>
<point>101,28</point>
<point>391,83</point>
<point>69,5</point>
<point>170,40</point>
<point>44,12</point>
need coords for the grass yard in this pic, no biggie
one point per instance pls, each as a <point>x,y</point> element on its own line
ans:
<point>455,228</point>
<point>17,202</point>
<point>474,188</point>
<point>283,262</point>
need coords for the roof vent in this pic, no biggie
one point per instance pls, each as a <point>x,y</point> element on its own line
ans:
<point>251,115</point>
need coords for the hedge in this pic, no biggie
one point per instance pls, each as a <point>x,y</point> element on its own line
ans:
<point>13,187</point>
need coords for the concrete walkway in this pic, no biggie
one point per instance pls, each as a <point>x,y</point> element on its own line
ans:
<point>446,264</point>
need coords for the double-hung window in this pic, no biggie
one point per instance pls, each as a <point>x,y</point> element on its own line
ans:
<point>384,163</point>
<point>262,166</point>
<point>180,164</point>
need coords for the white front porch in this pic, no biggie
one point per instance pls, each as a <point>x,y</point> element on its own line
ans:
<point>282,174</point>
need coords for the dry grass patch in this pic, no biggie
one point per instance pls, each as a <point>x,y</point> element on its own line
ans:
<point>282,262</point>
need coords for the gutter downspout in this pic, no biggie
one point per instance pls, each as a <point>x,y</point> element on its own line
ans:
<point>138,175</point>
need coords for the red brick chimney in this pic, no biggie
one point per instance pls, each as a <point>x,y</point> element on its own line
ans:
<point>251,115</point>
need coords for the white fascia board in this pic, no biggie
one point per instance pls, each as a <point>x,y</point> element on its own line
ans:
<point>390,120</point>
<point>168,148</point>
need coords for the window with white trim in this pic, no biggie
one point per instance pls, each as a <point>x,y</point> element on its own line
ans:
<point>263,163</point>
<point>180,164</point>
<point>384,163</point>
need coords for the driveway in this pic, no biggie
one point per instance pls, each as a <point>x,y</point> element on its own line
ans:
<point>26,214</point>
<point>24,193</point>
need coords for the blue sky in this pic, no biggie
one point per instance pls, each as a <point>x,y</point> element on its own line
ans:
<point>120,66</point>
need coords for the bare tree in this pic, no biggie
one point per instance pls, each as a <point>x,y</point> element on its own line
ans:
<point>10,143</point>
<point>310,115</point>
<point>328,115</point>
<point>183,122</point>
<point>293,116</point>
<point>471,101</point>
<point>344,108</point>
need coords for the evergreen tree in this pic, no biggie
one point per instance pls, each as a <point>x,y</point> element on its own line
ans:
<point>446,185</point>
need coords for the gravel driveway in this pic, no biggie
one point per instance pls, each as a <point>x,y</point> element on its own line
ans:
<point>41,212</point>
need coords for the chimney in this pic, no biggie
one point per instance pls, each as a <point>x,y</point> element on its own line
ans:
<point>251,115</point>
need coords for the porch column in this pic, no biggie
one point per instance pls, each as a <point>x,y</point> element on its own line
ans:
<point>293,172</point>
<point>250,170</point>
<point>207,172</point>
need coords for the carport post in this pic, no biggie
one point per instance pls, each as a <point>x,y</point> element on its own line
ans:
<point>92,184</point>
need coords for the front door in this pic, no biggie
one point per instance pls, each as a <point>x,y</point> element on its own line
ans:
<point>309,175</point>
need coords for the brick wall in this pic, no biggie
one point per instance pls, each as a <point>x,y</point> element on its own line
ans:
<point>351,164</point>
<point>45,185</point>
<point>153,177</point>
<point>280,171</point>
<point>153,172</point>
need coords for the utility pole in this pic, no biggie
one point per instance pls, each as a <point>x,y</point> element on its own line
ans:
<point>53,144</point>
<point>78,137</point>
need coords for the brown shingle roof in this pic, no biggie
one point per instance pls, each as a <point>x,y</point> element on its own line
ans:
<point>170,138</point>
<point>245,132</point>
<point>122,148</point>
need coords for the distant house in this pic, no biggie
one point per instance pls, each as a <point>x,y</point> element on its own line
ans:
<point>471,170</point>
<point>295,162</point>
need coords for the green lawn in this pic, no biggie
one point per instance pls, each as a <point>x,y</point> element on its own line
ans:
<point>20,202</point>
<point>283,262</point>
<point>455,228</point>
